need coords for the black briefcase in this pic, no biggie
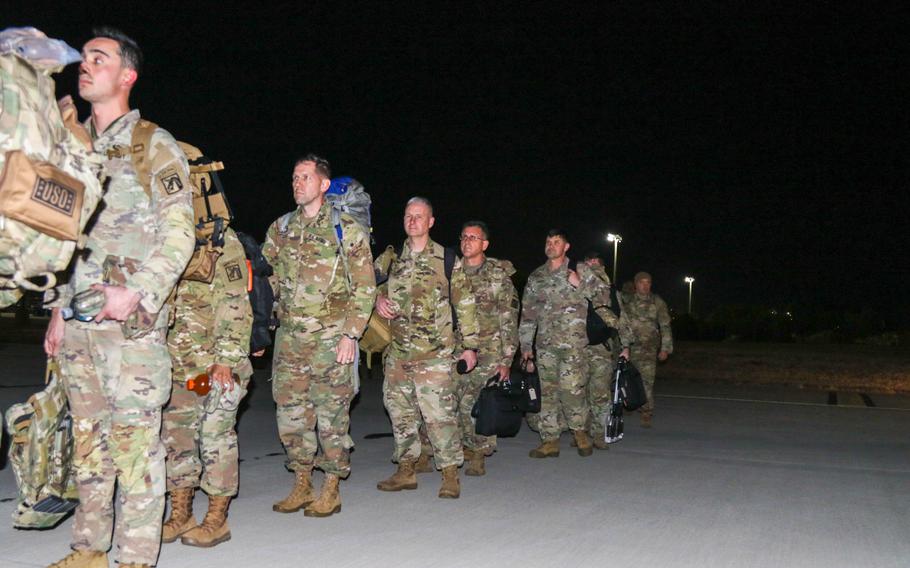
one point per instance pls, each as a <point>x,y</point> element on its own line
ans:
<point>496,412</point>
<point>525,387</point>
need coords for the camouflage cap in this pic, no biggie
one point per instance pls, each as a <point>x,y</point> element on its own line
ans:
<point>642,276</point>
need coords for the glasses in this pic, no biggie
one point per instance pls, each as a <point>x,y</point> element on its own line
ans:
<point>472,238</point>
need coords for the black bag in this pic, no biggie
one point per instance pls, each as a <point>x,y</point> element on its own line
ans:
<point>613,429</point>
<point>632,389</point>
<point>496,412</point>
<point>596,328</point>
<point>261,296</point>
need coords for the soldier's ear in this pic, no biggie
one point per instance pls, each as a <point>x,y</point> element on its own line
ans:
<point>485,244</point>
<point>129,77</point>
<point>324,184</point>
<point>432,220</point>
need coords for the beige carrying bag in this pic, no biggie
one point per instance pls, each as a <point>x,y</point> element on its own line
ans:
<point>377,336</point>
<point>41,196</point>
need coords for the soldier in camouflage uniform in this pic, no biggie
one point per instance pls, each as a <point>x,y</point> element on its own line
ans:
<point>554,312</point>
<point>419,363</point>
<point>116,385</point>
<point>496,305</point>
<point>211,334</point>
<point>649,318</point>
<point>325,296</point>
<point>600,369</point>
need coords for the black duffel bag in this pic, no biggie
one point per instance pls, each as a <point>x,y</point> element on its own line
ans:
<point>497,412</point>
<point>631,388</point>
<point>525,387</point>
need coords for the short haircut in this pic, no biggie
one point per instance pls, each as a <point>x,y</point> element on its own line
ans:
<point>558,233</point>
<point>593,255</point>
<point>130,54</point>
<point>480,225</point>
<point>322,165</point>
<point>420,199</point>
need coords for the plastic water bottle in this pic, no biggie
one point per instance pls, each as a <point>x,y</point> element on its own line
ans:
<point>84,306</point>
<point>200,384</point>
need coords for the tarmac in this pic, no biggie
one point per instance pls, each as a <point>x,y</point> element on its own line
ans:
<point>729,476</point>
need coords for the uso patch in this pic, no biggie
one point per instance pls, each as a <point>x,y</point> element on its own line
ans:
<point>170,180</point>
<point>233,271</point>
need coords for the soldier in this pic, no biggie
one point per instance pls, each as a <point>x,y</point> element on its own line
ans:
<point>600,367</point>
<point>211,335</point>
<point>650,321</point>
<point>496,305</point>
<point>325,287</point>
<point>420,301</point>
<point>554,313</point>
<point>116,384</point>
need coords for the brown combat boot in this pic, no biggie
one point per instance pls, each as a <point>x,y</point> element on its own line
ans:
<point>181,519</point>
<point>301,495</point>
<point>423,464</point>
<point>213,529</point>
<point>404,478</point>
<point>547,449</point>
<point>329,501</point>
<point>475,466</point>
<point>82,559</point>
<point>645,419</point>
<point>599,442</point>
<point>583,443</point>
<point>451,487</point>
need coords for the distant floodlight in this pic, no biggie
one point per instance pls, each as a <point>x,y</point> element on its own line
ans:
<point>615,239</point>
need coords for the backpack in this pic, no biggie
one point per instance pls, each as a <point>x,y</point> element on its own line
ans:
<point>262,298</point>
<point>596,328</point>
<point>40,453</point>
<point>49,185</point>
<point>211,211</point>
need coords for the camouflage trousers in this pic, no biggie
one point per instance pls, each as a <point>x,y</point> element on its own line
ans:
<point>563,381</point>
<point>423,391</point>
<point>201,446</point>
<point>646,363</point>
<point>467,389</point>
<point>116,388</point>
<point>599,397</point>
<point>312,393</point>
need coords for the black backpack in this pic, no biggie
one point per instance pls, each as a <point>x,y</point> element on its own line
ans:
<point>262,297</point>
<point>596,328</point>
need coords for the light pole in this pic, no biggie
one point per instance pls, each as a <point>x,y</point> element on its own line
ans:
<point>689,280</point>
<point>615,239</point>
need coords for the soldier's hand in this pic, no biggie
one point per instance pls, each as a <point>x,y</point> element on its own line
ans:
<point>119,303</point>
<point>662,356</point>
<point>385,307</point>
<point>259,353</point>
<point>222,374</point>
<point>625,353</point>
<point>504,372</point>
<point>574,280</point>
<point>469,356</point>
<point>345,350</point>
<point>53,337</point>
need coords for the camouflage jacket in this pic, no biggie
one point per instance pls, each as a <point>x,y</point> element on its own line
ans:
<point>496,301</point>
<point>554,314</point>
<point>212,321</point>
<point>149,238</point>
<point>649,319</point>
<point>309,271</point>
<point>417,286</point>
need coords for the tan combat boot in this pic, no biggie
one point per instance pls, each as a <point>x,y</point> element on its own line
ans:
<point>645,419</point>
<point>583,443</point>
<point>404,478</point>
<point>423,464</point>
<point>181,519</point>
<point>451,487</point>
<point>547,449</point>
<point>301,495</point>
<point>213,529</point>
<point>475,461</point>
<point>82,559</point>
<point>599,442</point>
<point>329,501</point>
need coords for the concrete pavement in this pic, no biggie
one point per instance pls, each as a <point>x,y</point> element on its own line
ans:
<point>729,476</point>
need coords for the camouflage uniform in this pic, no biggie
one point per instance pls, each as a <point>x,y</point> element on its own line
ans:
<point>212,326</point>
<point>553,319</point>
<point>117,386</point>
<point>317,304</point>
<point>496,305</point>
<point>419,362</point>
<point>600,369</point>
<point>649,319</point>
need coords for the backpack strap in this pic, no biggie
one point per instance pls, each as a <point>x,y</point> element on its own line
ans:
<point>448,265</point>
<point>336,222</point>
<point>140,142</point>
<point>283,223</point>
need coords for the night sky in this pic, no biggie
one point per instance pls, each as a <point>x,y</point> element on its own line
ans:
<point>762,150</point>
